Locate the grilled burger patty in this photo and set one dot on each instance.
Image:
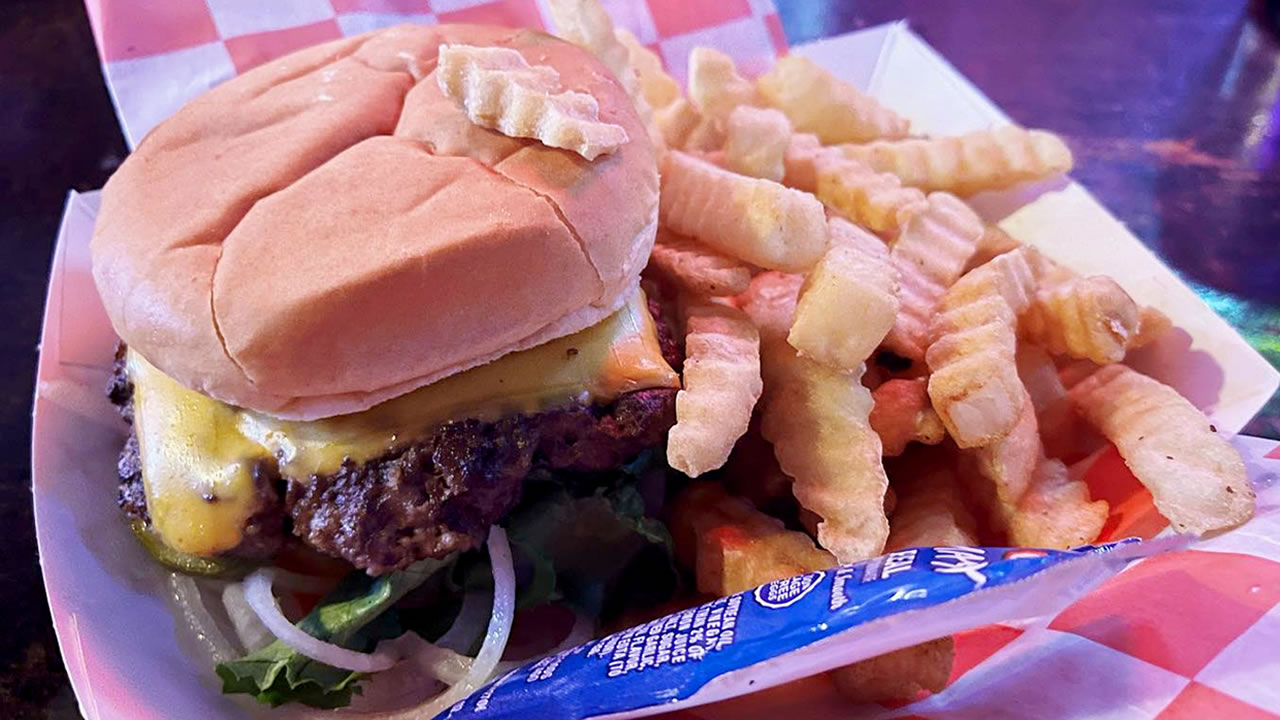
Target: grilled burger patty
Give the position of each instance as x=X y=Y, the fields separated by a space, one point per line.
x=437 y=495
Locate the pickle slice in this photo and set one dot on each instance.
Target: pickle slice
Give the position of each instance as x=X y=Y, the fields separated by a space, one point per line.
x=186 y=563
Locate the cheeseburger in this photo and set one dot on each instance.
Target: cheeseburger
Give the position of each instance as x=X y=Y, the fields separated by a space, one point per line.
x=355 y=324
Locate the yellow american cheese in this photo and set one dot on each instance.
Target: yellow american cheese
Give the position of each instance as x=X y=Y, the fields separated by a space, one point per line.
x=198 y=454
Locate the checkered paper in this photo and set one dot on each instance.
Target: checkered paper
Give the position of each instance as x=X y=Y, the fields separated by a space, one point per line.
x=158 y=54
x=1195 y=634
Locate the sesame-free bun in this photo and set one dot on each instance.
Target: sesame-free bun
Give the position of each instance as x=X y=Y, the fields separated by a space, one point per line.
x=328 y=231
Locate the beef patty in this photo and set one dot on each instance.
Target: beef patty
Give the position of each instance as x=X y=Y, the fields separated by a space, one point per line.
x=436 y=495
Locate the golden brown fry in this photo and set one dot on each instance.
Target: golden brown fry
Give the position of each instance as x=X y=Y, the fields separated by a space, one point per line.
x=930 y=254
x=816 y=419
x=706 y=136
x=993 y=242
x=499 y=90
x=1152 y=324
x=1056 y=512
x=1197 y=479
x=721 y=386
x=970 y=163
x=759 y=221
x=658 y=88
x=931 y=511
x=974 y=385
x=818 y=102
x=587 y=24
x=756 y=141
x=899 y=675
x=800 y=162
x=1061 y=432
x=736 y=547
x=877 y=200
x=715 y=87
x=676 y=122
x=1085 y=317
x=902 y=414
x=696 y=268
x=1004 y=467
x=849 y=299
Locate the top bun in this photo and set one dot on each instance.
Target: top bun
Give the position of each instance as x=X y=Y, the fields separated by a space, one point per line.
x=329 y=231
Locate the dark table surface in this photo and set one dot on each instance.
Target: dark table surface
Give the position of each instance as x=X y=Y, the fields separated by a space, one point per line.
x=1172 y=108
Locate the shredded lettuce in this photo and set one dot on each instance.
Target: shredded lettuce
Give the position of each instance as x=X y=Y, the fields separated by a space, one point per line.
x=277 y=674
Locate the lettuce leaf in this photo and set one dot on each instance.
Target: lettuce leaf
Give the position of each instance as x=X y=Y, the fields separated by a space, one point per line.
x=277 y=674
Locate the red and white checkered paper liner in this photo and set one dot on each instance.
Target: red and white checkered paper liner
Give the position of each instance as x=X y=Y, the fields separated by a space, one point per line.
x=1195 y=634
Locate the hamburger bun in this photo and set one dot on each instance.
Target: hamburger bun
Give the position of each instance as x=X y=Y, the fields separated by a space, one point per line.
x=329 y=231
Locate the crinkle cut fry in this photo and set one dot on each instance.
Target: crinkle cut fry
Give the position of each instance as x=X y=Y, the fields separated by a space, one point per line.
x=818 y=102
x=1197 y=479
x=849 y=299
x=735 y=548
x=931 y=510
x=1030 y=497
x=697 y=268
x=817 y=420
x=756 y=141
x=721 y=385
x=974 y=382
x=1084 y=317
x=499 y=90
x=902 y=414
x=930 y=255
x=756 y=220
x=715 y=87
x=873 y=199
x=970 y=163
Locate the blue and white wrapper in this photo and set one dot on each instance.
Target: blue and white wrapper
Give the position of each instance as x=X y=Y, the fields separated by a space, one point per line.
x=800 y=626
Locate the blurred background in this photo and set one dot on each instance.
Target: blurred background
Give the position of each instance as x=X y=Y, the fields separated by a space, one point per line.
x=1171 y=106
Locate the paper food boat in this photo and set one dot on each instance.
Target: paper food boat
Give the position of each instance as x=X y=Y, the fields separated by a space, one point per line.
x=130 y=655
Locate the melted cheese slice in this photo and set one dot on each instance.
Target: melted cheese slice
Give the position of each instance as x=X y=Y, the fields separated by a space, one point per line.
x=198 y=454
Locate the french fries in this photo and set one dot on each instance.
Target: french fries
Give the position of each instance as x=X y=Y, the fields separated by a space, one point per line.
x=696 y=268
x=898 y=675
x=715 y=87
x=585 y=23
x=970 y=163
x=755 y=220
x=657 y=87
x=756 y=142
x=877 y=200
x=816 y=419
x=499 y=90
x=676 y=122
x=1055 y=511
x=848 y=301
x=1003 y=467
x=974 y=385
x=736 y=548
x=1084 y=317
x=1061 y=431
x=800 y=162
x=733 y=547
x=721 y=386
x=902 y=414
x=818 y=102
x=1197 y=479
x=932 y=511
x=993 y=242
x=930 y=254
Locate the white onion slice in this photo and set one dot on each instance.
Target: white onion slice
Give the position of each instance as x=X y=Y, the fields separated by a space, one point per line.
x=495 y=639
x=186 y=594
x=249 y=629
x=470 y=623
x=257 y=592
